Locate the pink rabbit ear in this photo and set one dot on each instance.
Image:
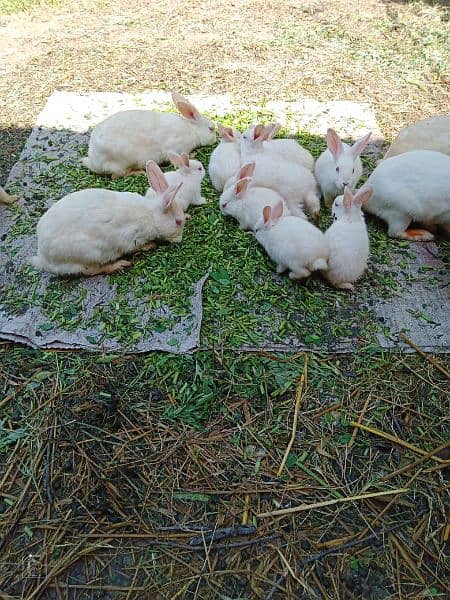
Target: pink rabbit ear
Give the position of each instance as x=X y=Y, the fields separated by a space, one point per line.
x=267 y=212
x=169 y=195
x=185 y=159
x=334 y=143
x=175 y=158
x=156 y=177
x=348 y=197
x=271 y=131
x=241 y=186
x=185 y=108
x=226 y=133
x=247 y=170
x=363 y=195
x=359 y=146
x=277 y=212
x=259 y=132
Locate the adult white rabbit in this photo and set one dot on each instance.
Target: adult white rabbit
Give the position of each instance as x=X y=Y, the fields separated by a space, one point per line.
x=190 y=173
x=259 y=140
x=126 y=140
x=291 y=242
x=86 y=232
x=294 y=183
x=428 y=134
x=413 y=187
x=339 y=166
x=348 y=240
x=226 y=158
x=245 y=202
x=6 y=198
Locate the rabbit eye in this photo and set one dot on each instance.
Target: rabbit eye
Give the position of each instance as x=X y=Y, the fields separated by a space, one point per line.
x=199 y=169
x=353 y=170
x=211 y=127
x=337 y=169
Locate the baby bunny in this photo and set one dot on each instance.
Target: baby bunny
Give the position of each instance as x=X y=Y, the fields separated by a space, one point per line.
x=6 y=198
x=86 y=232
x=339 y=166
x=348 y=240
x=428 y=134
x=293 y=182
x=126 y=140
x=226 y=158
x=292 y=243
x=259 y=140
x=190 y=173
x=412 y=187
x=245 y=203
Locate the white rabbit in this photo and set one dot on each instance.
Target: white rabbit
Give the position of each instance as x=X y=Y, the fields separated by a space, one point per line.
x=428 y=134
x=6 y=198
x=348 y=240
x=292 y=243
x=339 y=166
x=412 y=187
x=226 y=158
x=86 y=232
x=126 y=140
x=245 y=203
x=293 y=182
x=259 y=140
x=190 y=173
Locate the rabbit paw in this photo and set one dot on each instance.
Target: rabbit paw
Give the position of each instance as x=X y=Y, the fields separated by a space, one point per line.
x=416 y=235
x=346 y=286
x=299 y=274
x=119 y=265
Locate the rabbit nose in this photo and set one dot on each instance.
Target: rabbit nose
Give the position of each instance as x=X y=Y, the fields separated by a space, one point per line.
x=345 y=183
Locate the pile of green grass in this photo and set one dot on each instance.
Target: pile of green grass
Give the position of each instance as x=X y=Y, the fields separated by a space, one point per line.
x=245 y=303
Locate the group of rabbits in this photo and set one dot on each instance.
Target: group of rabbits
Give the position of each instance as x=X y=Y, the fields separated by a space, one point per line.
x=268 y=185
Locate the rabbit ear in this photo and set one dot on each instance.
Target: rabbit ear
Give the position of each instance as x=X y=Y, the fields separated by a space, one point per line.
x=348 y=197
x=334 y=143
x=226 y=133
x=241 y=186
x=169 y=195
x=247 y=170
x=185 y=159
x=267 y=212
x=259 y=133
x=156 y=177
x=277 y=212
x=185 y=108
x=359 y=146
x=363 y=195
x=175 y=159
x=272 y=130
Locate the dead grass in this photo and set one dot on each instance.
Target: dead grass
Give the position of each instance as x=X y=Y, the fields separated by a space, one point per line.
x=107 y=489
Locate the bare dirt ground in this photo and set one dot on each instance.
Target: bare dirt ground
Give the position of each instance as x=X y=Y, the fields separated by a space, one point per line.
x=130 y=477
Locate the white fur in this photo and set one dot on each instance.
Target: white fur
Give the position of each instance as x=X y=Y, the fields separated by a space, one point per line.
x=412 y=187
x=245 y=202
x=88 y=229
x=283 y=148
x=6 y=198
x=226 y=158
x=190 y=173
x=347 y=240
x=429 y=134
x=293 y=182
x=292 y=243
x=339 y=166
x=126 y=140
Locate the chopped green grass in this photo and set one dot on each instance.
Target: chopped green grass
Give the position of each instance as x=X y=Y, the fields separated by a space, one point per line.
x=245 y=303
